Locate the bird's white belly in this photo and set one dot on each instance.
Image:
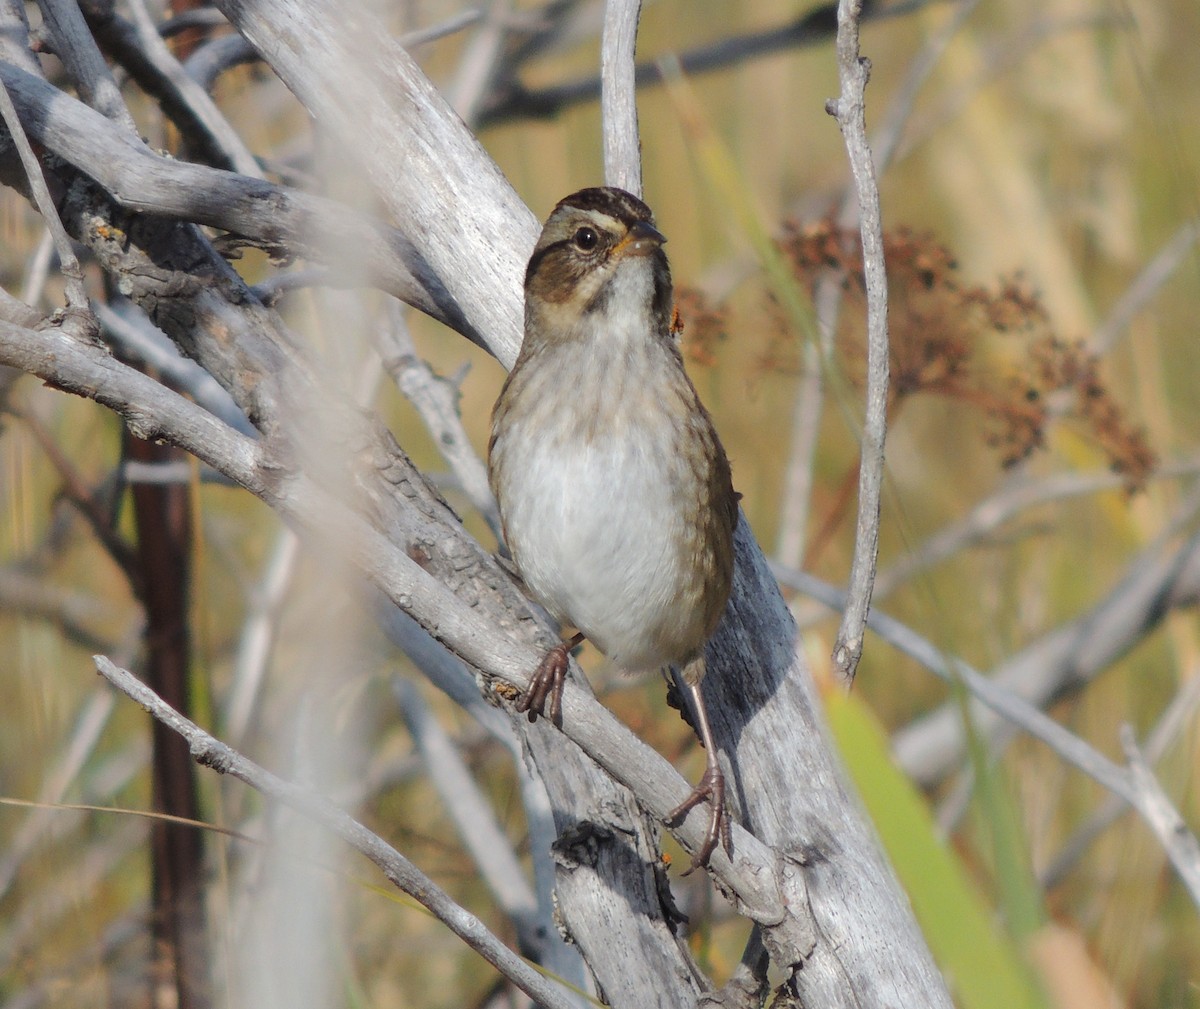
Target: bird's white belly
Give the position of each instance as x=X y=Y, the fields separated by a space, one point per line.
x=597 y=544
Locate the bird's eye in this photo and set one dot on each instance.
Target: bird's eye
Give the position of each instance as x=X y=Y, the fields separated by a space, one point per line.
x=586 y=239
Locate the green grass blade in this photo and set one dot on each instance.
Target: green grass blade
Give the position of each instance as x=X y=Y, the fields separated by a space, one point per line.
x=984 y=966
x=1000 y=820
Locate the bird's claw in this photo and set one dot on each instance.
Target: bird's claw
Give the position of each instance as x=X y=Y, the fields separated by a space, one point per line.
x=547 y=682
x=711 y=787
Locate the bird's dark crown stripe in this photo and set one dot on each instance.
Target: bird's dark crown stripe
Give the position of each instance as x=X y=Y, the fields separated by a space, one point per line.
x=614 y=202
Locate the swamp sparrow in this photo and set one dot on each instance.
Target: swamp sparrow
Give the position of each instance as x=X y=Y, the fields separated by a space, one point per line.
x=614 y=490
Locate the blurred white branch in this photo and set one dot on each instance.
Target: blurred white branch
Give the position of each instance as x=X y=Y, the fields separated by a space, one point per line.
x=259 y=630
x=436 y=400
x=483 y=837
x=1157 y=810
x=224 y=760
x=1145 y=286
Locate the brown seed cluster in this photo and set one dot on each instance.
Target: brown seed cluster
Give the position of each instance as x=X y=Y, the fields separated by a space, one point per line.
x=699 y=324
x=956 y=341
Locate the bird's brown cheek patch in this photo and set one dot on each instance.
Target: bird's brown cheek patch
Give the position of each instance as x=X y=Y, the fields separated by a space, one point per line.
x=557 y=275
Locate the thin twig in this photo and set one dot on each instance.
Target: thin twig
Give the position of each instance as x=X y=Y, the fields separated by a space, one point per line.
x=1002 y=57
x=618 y=96
x=1004 y=702
x=221 y=53
x=216 y=55
x=811 y=28
x=75 y=46
x=89 y=724
x=89 y=501
x=1131 y=785
x=1178 y=715
x=471 y=812
x=211 y=752
x=136 y=338
x=77 y=299
x=886 y=140
x=259 y=630
x=849 y=110
x=200 y=17
x=988 y=516
x=194 y=111
x=452 y=25
x=437 y=401
x=45 y=915
x=479 y=62
x=806 y=428
x=37 y=270
x=76 y=615
x=1158 y=811
x=1147 y=283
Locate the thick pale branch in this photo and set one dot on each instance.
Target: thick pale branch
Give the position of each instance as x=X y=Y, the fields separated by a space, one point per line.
x=618 y=98
x=426 y=167
x=270 y=215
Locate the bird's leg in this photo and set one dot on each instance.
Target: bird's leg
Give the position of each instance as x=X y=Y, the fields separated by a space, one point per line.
x=548 y=681
x=711 y=786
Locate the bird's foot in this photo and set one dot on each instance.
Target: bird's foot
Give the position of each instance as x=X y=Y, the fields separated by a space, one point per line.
x=547 y=683
x=711 y=787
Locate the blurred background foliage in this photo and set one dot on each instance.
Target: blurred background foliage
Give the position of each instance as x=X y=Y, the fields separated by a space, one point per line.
x=1048 y=157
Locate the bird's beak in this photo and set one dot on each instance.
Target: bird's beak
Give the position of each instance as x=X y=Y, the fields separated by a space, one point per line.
x=640 y=240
